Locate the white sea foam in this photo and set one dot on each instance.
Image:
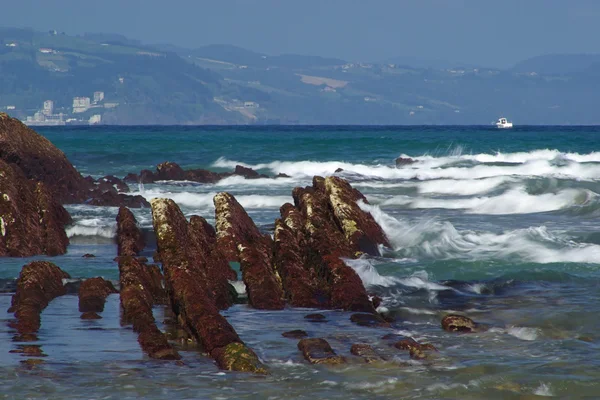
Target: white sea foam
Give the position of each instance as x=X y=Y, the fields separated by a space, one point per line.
x=462 y=188
x=514 y=201
x=205 y=200
x=368 y=273
x=433 y=238
x=543 y=390
x=522 y=333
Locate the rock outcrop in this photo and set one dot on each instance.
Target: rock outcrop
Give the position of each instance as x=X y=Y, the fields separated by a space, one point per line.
x=31 y=221
x=130 y=241
x=241 y=241
x=93 y=293
x=39 y=282
x=137 y=300
x=40 y=161
x=366 y=352
x=459 y=323
x=189 y=293
x=170 y=171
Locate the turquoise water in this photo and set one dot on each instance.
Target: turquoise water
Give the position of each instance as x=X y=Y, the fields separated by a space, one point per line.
x=502 y=226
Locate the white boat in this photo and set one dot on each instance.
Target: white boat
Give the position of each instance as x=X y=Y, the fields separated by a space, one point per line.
x=503 y=123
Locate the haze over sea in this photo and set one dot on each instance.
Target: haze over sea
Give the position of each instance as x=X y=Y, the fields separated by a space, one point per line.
x=500 y=225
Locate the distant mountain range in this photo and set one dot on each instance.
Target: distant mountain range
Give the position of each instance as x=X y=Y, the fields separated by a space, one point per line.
x=224 y=84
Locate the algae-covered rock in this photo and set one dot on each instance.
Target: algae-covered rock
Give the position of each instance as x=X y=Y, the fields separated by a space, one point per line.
x=241 y=241
x=459 y=323
x=130 y=241
x=238 y=357
x=366 y=352
x=93 y=293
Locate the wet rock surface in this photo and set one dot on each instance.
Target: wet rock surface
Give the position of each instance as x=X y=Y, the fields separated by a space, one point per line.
x=295 y=334
x=31 y=222
x=195 y=309
x=417 y=351
x=130 y=241
x=242 y=241
x=137 y=301
x=366 y=352
x=93 y=293
x=318 y=351
x=39 y=282
x=459 y=323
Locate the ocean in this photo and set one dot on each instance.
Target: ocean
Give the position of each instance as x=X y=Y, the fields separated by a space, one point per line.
x=500 y=225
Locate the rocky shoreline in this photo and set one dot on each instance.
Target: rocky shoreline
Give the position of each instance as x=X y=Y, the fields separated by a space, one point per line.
x=300 y=266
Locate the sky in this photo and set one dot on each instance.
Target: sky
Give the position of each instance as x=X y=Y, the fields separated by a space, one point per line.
x=488 y=33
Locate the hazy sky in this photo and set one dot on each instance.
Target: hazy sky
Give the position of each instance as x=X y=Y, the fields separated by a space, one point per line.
x=484 y=32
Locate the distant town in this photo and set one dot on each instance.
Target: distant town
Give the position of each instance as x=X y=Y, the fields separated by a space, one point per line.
x=46 y=116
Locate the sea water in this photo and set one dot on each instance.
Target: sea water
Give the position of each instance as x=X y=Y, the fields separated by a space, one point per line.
x=500 y=225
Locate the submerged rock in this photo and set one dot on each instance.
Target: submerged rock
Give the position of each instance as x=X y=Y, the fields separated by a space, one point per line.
x=93 y=293
x=416 y=350
x=459 y=323
x=39 y=282
x=242 y=241
x=368 y=354
x=318 y=351
x=372 y=320
x=296 y=334
x=402 y=161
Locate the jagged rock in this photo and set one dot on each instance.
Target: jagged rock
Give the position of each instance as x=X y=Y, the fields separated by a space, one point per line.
x=301 y=284
x=367 y=319
x=368 y=354
x=296 y=334
x=131 y=178
x=137 y=301
x=130 y=241
x=169 y=171
x=31 y=222
x=112 y=182
x=282 y=175
x=246 y=172
x=190 y=300
x=115 y=199
x=93 y=293
x=458 y=323
x=39 y=282
x=402 y=161
x=41 y=161
x=90 y=315
x=318 y=351
x=241 y=241
x=359 y=227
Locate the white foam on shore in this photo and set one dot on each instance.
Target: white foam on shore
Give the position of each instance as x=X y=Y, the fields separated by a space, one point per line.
x=205 y=200
x=432 y=238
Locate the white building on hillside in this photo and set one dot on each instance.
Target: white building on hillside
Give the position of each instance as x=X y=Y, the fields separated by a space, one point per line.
x=81 y=104
x=98 y=97
x=48 y=107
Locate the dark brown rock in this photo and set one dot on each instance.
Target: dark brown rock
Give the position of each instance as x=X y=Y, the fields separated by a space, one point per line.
x=90 y=315
x=368 y=319
x=458 y=323
x=402 y=161
x=40 y=161
x=315 y=317
x=241 y=240
x=130 y=241
x=93 y=293
x=359 y=227
x=368 y=354
x=39 y=282
x=169 y=171
x=137 y=301
x=318 y=351
x=88 y=255
x=246 y=172
x=195 y=309
x=31 y=222
x=302 y=286
x=112 y=182
x=296 y=334
x=416 y=350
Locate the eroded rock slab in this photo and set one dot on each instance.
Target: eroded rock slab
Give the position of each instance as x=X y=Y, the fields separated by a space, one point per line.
x=31 y=221
x=39 y=282
x=130 y=241
x=190 y=299
x=137 y=300
x=459 y=323
x=241 y=241
x=93 y=293
x=366 y=352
